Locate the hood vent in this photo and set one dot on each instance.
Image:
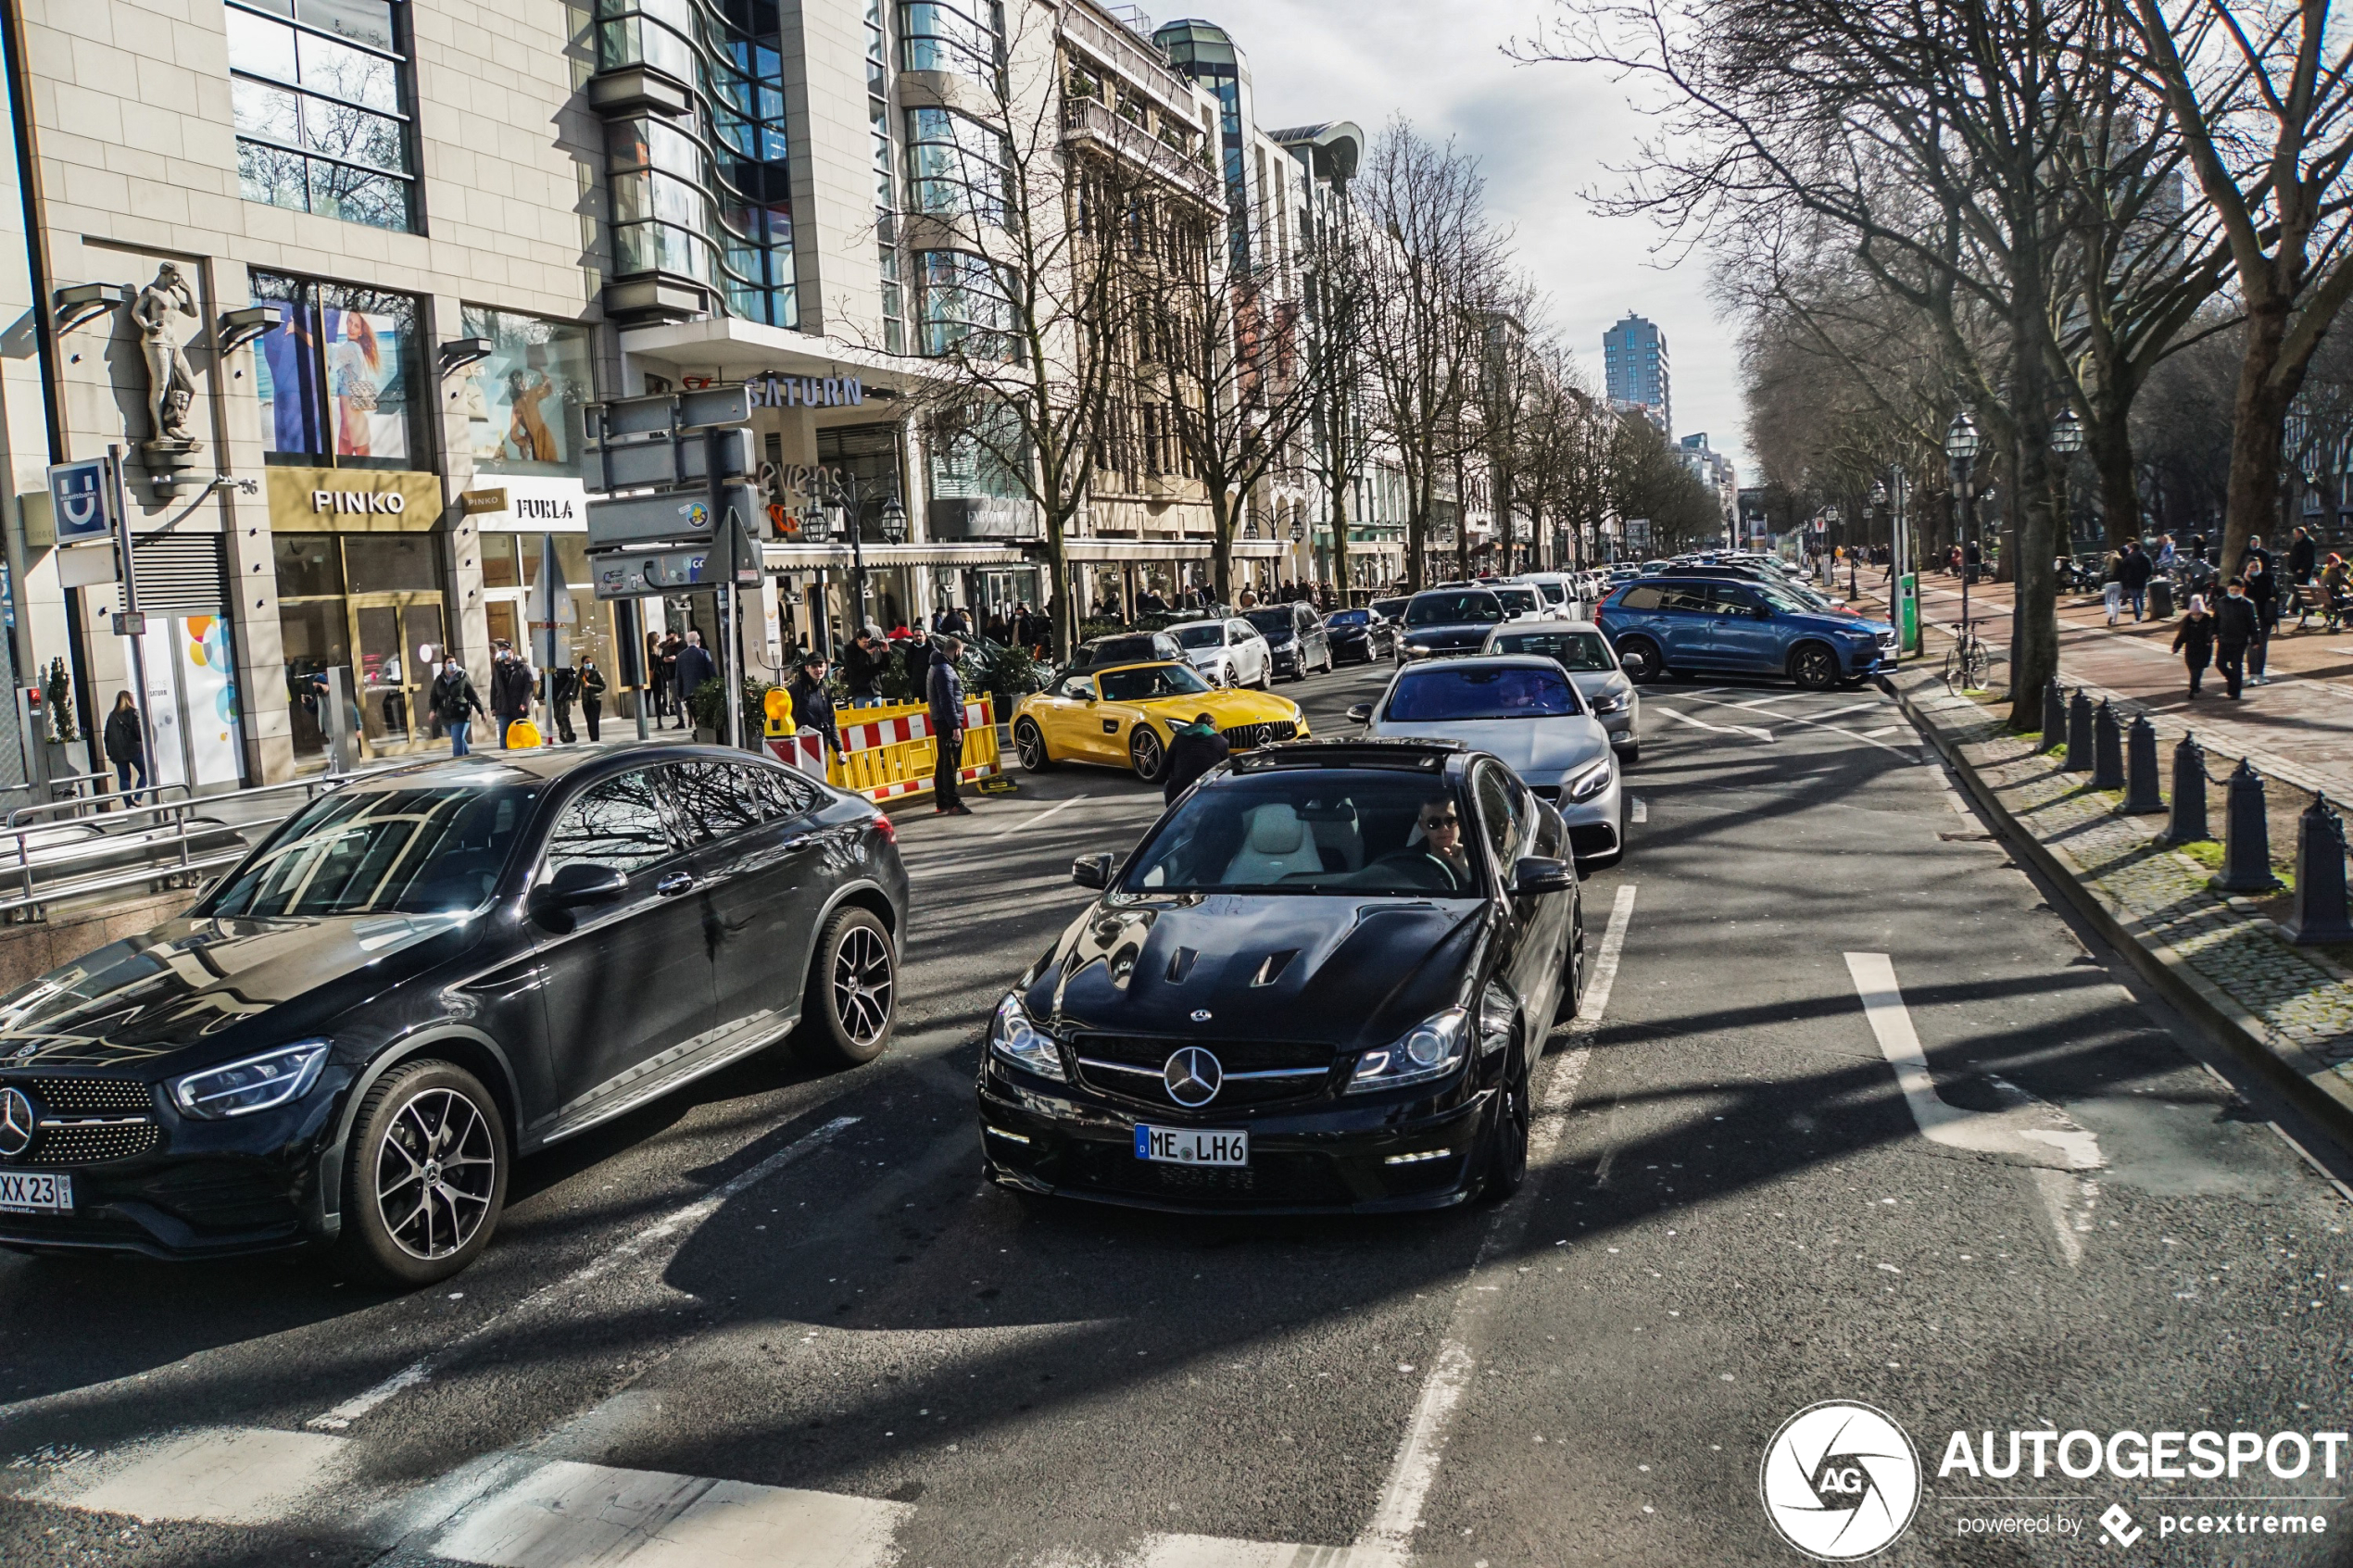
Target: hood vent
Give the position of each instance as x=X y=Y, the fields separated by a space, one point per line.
x=1180 y=964
x=1271 y=970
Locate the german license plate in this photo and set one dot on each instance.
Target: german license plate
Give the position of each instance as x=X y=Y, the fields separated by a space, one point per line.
x=35 y=1192
x=1192 y=1146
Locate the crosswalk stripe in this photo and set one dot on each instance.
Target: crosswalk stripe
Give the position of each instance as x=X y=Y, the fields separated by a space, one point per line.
x=219 y=1475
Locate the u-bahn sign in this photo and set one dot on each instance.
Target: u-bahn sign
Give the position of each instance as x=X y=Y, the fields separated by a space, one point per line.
x=83 y=500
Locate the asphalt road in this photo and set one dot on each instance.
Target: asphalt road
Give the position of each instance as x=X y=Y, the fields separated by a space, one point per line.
x=778 y=1320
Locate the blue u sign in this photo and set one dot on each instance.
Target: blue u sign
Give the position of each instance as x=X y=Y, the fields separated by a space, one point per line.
x=79 y=491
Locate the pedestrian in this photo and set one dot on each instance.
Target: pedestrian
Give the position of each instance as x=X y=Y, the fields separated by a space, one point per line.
x=2337 y=588
x=658 y=685
x=1972 y=560
x=2193 y=640
x=592 y=695
x=511 y=686
x=2112 y=589
x=2165 y=558
x=2134 y=572
x=2263 y=596
x=813 y=705
x=454 y=702
x=126 y=746
x=563 y=690
x=945 y=690
x=1193 y=750
x=861 y=666
x=694 y=666
x=2233 y=630
x=2303 y=557
x=665 y=668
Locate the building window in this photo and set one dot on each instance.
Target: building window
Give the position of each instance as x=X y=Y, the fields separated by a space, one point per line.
x=342 y=376
x=322 y=102
x=894 y=302
x=965 y=38
x=965 y=309
x=524 y=403
x=957 y=166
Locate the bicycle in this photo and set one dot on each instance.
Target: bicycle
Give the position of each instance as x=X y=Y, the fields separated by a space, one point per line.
x=1970 y=662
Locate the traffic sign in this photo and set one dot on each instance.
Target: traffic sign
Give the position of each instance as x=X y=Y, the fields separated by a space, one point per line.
x=84 y=501
x=669 y=411
x=130 y=623
x=664 y=460
x=680 y=516
x=630 y=576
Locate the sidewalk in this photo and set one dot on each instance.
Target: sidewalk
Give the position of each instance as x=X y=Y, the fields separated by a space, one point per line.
x=2222 y=961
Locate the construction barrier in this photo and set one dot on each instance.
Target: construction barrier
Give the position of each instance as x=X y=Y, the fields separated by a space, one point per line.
x=888 y=753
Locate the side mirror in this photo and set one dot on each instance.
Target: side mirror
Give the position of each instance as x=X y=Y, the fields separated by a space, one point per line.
x=1360 y=713
x=575 y=887
x=1091 y=870
x=1537 y=875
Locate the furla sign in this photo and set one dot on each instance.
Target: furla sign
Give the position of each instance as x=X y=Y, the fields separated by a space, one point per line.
x=538 y=504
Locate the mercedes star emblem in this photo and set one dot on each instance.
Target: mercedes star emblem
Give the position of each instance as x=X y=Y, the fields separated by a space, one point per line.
x=1201 y=1015
x=1192 y=1076
x=15 y=1115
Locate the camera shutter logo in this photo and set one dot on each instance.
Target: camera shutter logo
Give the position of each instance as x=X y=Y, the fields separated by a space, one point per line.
x=1840 y=1481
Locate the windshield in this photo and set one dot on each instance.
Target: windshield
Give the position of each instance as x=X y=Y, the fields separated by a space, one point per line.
x=1787 y=600
x=1518 y=600
x=1476 y=608
x=1553 y=592
x=1276 y=623
x=385 y=851
x=1211 y=635
x=1347 y=617
x=1118 y=650
x=1389 y=608
x=1312 y=832
x=1143 y=683
x=1584 y=652
x=1442 y=695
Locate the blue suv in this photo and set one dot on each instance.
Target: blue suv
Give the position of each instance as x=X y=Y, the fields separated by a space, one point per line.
x=1670 y=625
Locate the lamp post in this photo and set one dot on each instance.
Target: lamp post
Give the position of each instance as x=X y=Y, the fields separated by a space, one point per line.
x=2066 y=439
x=1960 y=446
x=849 y=498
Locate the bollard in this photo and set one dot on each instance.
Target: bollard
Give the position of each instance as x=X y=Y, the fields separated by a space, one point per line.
x=2079 y=733
x=2320 y=877
x=2054 y=715
x=2141 y=797
x=2188 y=823
x=2108 y=749
x=2247 y=837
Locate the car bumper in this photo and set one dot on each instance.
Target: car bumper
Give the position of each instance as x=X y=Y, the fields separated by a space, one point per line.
x=1283 y=658
x=1326 y=1159
x=1593 y=825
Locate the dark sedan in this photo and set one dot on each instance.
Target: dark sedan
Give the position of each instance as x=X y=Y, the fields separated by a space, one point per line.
x=1317 y=984
x=1360 y=635
x=425 y=973
x=1449 y=621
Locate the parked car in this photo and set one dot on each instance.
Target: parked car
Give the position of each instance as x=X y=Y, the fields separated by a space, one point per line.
x=1227 y=651
x=1448 y=620
x=1318 y=984
x=1524 y=709
x=1579 y=648
x=1684 y=625
x=421 y=976
x=1559 y=589
x=1521 y=601
x=1123 y=647
x=1360 y=635
x=1124 y=717
x=1393 y=609
x=1295 y=635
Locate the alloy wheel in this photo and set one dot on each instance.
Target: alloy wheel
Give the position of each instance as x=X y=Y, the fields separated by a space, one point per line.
x=1032 y=746
x=1815 y=669
x=862 y=984
x=436 y=1171
x=1145 y=753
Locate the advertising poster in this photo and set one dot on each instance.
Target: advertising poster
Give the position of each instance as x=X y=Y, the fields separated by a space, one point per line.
x=365 y=384
x=524 y=403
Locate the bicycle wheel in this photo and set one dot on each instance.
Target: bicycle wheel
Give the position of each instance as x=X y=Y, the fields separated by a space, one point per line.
x=1955 y=672
x=1977 y=664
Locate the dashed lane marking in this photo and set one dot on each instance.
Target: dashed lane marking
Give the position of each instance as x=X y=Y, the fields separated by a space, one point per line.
x=1640 y=809
x=218 y=1476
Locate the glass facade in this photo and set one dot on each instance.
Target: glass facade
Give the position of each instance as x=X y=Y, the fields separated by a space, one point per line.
x=322 y=102
x=964 y=309
x=957 y=166
x=960 y=37
x=524 y=403
x=886 y=180
x=341 y=377
x=710 y=200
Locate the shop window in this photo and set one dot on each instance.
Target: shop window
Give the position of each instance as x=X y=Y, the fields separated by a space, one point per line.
x=322 y=94
x=499 y=570
x=524 y=403
x=392 y=563
x=342 y=376
x=309 y=565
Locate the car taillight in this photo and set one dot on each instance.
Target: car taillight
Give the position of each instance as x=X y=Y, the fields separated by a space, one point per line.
x=885 y=826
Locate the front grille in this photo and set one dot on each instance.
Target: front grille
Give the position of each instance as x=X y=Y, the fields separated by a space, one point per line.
x=88 y=1096
x=1242 y=736
x=1129 y=1067
x=1546 y=792
x=86 y=1121
x=91 y=1143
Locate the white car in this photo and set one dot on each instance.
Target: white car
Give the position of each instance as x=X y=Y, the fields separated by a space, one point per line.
x=1559 y=588
x=1522 y=601
x=1524 y=709
x=1227 y=653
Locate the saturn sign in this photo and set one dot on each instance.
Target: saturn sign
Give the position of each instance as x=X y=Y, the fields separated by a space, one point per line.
x=81 y=497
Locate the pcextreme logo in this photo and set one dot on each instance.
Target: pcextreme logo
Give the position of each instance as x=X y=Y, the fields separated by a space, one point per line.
x=1840 y=1481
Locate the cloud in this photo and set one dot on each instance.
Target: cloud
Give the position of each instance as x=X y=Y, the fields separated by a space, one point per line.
x=1545 y=136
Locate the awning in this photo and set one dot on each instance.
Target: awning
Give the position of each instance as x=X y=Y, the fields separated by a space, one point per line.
x=1122 y=552
x=883 y=558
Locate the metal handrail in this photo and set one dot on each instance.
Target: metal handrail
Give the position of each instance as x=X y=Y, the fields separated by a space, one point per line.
x=93 y=804
x=178 y=816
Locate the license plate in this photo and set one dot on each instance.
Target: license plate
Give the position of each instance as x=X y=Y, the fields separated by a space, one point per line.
x=35 y=1192
x=1192 y=1146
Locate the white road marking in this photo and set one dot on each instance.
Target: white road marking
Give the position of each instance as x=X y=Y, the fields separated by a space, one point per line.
x=222 y=1476
x=1718 y=729
x=1036 y=818
x=1841 y=712
x=2026 y=1132
x=1605 y=971
x=1908 y=753
x=1766 y=701
x=1212 y=1551
x=1886 y=730
x=421 y=1369
x=1641 y=809
x=565 y=1513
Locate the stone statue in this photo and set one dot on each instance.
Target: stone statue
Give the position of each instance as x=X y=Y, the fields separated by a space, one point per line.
x=171 y=389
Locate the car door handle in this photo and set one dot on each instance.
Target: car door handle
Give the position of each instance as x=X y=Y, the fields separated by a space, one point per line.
x=675 y=884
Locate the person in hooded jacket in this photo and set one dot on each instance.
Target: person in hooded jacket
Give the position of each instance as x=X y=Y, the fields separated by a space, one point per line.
x=454 y=702
x=1193 y=750
x=2193 y=640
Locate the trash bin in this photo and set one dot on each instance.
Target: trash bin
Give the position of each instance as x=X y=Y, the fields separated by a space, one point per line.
x=2161 y=597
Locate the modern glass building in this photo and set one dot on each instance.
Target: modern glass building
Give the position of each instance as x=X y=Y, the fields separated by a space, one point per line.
x=1634 y=364
x=1202 y=50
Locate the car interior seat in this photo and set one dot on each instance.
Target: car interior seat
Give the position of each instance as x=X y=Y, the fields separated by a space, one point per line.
x=1277 y=844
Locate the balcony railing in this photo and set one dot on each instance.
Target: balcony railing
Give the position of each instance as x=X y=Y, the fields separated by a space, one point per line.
x=1122 y=51
x=1086 y=119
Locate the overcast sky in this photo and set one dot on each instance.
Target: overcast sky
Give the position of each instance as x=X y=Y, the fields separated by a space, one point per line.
x=1543 y=135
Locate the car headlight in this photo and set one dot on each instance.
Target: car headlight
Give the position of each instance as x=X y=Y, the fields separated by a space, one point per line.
x=1014 y=1037
x=1614 y=703
x=1429 y=1049
x=258 y=1083
x=1589 y=782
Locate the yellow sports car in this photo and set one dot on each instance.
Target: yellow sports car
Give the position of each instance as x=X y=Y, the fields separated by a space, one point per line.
x=1123 y=716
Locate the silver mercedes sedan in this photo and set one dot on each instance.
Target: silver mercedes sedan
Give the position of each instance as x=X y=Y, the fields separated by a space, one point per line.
x=1579 y=648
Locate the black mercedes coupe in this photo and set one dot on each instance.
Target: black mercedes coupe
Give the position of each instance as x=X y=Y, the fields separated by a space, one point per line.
x=421 y=975
x=1317 y=984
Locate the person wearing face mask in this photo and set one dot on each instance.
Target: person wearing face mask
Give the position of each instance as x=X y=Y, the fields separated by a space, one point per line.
x=2193 y=640
x=2234 y=628
x=2262 y=596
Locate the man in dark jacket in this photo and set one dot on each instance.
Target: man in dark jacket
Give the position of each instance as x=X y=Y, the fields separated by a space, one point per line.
x=2233 y=629
x=592 y=695
x=813 y=705
x=861 y=668
x=2134 y=572
x=455 y=703
x=1193 y=750
x=2303 y=557
x=511 y=684
x=945 y=690
x=695 y=667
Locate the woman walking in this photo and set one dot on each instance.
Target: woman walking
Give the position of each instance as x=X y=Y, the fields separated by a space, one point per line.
x=2262 y=593
x=127 y=746
x=592 y=695
x=2193 y=640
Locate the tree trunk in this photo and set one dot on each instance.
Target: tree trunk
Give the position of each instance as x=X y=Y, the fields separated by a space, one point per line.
x=2035 y=621
x=2109 y=445
x=2259 y=423
x=1221 y=521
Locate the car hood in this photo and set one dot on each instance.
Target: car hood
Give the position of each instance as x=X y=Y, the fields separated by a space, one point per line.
x=1228 y=707
x=1538 y=750
x=1832 y=621
x=1595 y=685
x=1350 y=972
x=215 y=983
x=1466 y=636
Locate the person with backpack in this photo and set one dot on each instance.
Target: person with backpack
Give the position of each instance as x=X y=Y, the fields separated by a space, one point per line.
x=454 y=702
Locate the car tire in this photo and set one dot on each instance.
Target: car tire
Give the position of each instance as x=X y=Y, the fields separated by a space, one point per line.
x=1029 y=740
x=1573 y=982
x=1645 y=654
x=851 y=999
x=431 y=1128
x=1146 y=755
x=1327 y=659
x=1508 y=1134
x=1814 y=666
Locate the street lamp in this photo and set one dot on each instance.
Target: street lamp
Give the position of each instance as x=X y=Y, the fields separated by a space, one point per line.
x=1960 y=445
x=848 y=494
x=894 y=522
x=2066 y=439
